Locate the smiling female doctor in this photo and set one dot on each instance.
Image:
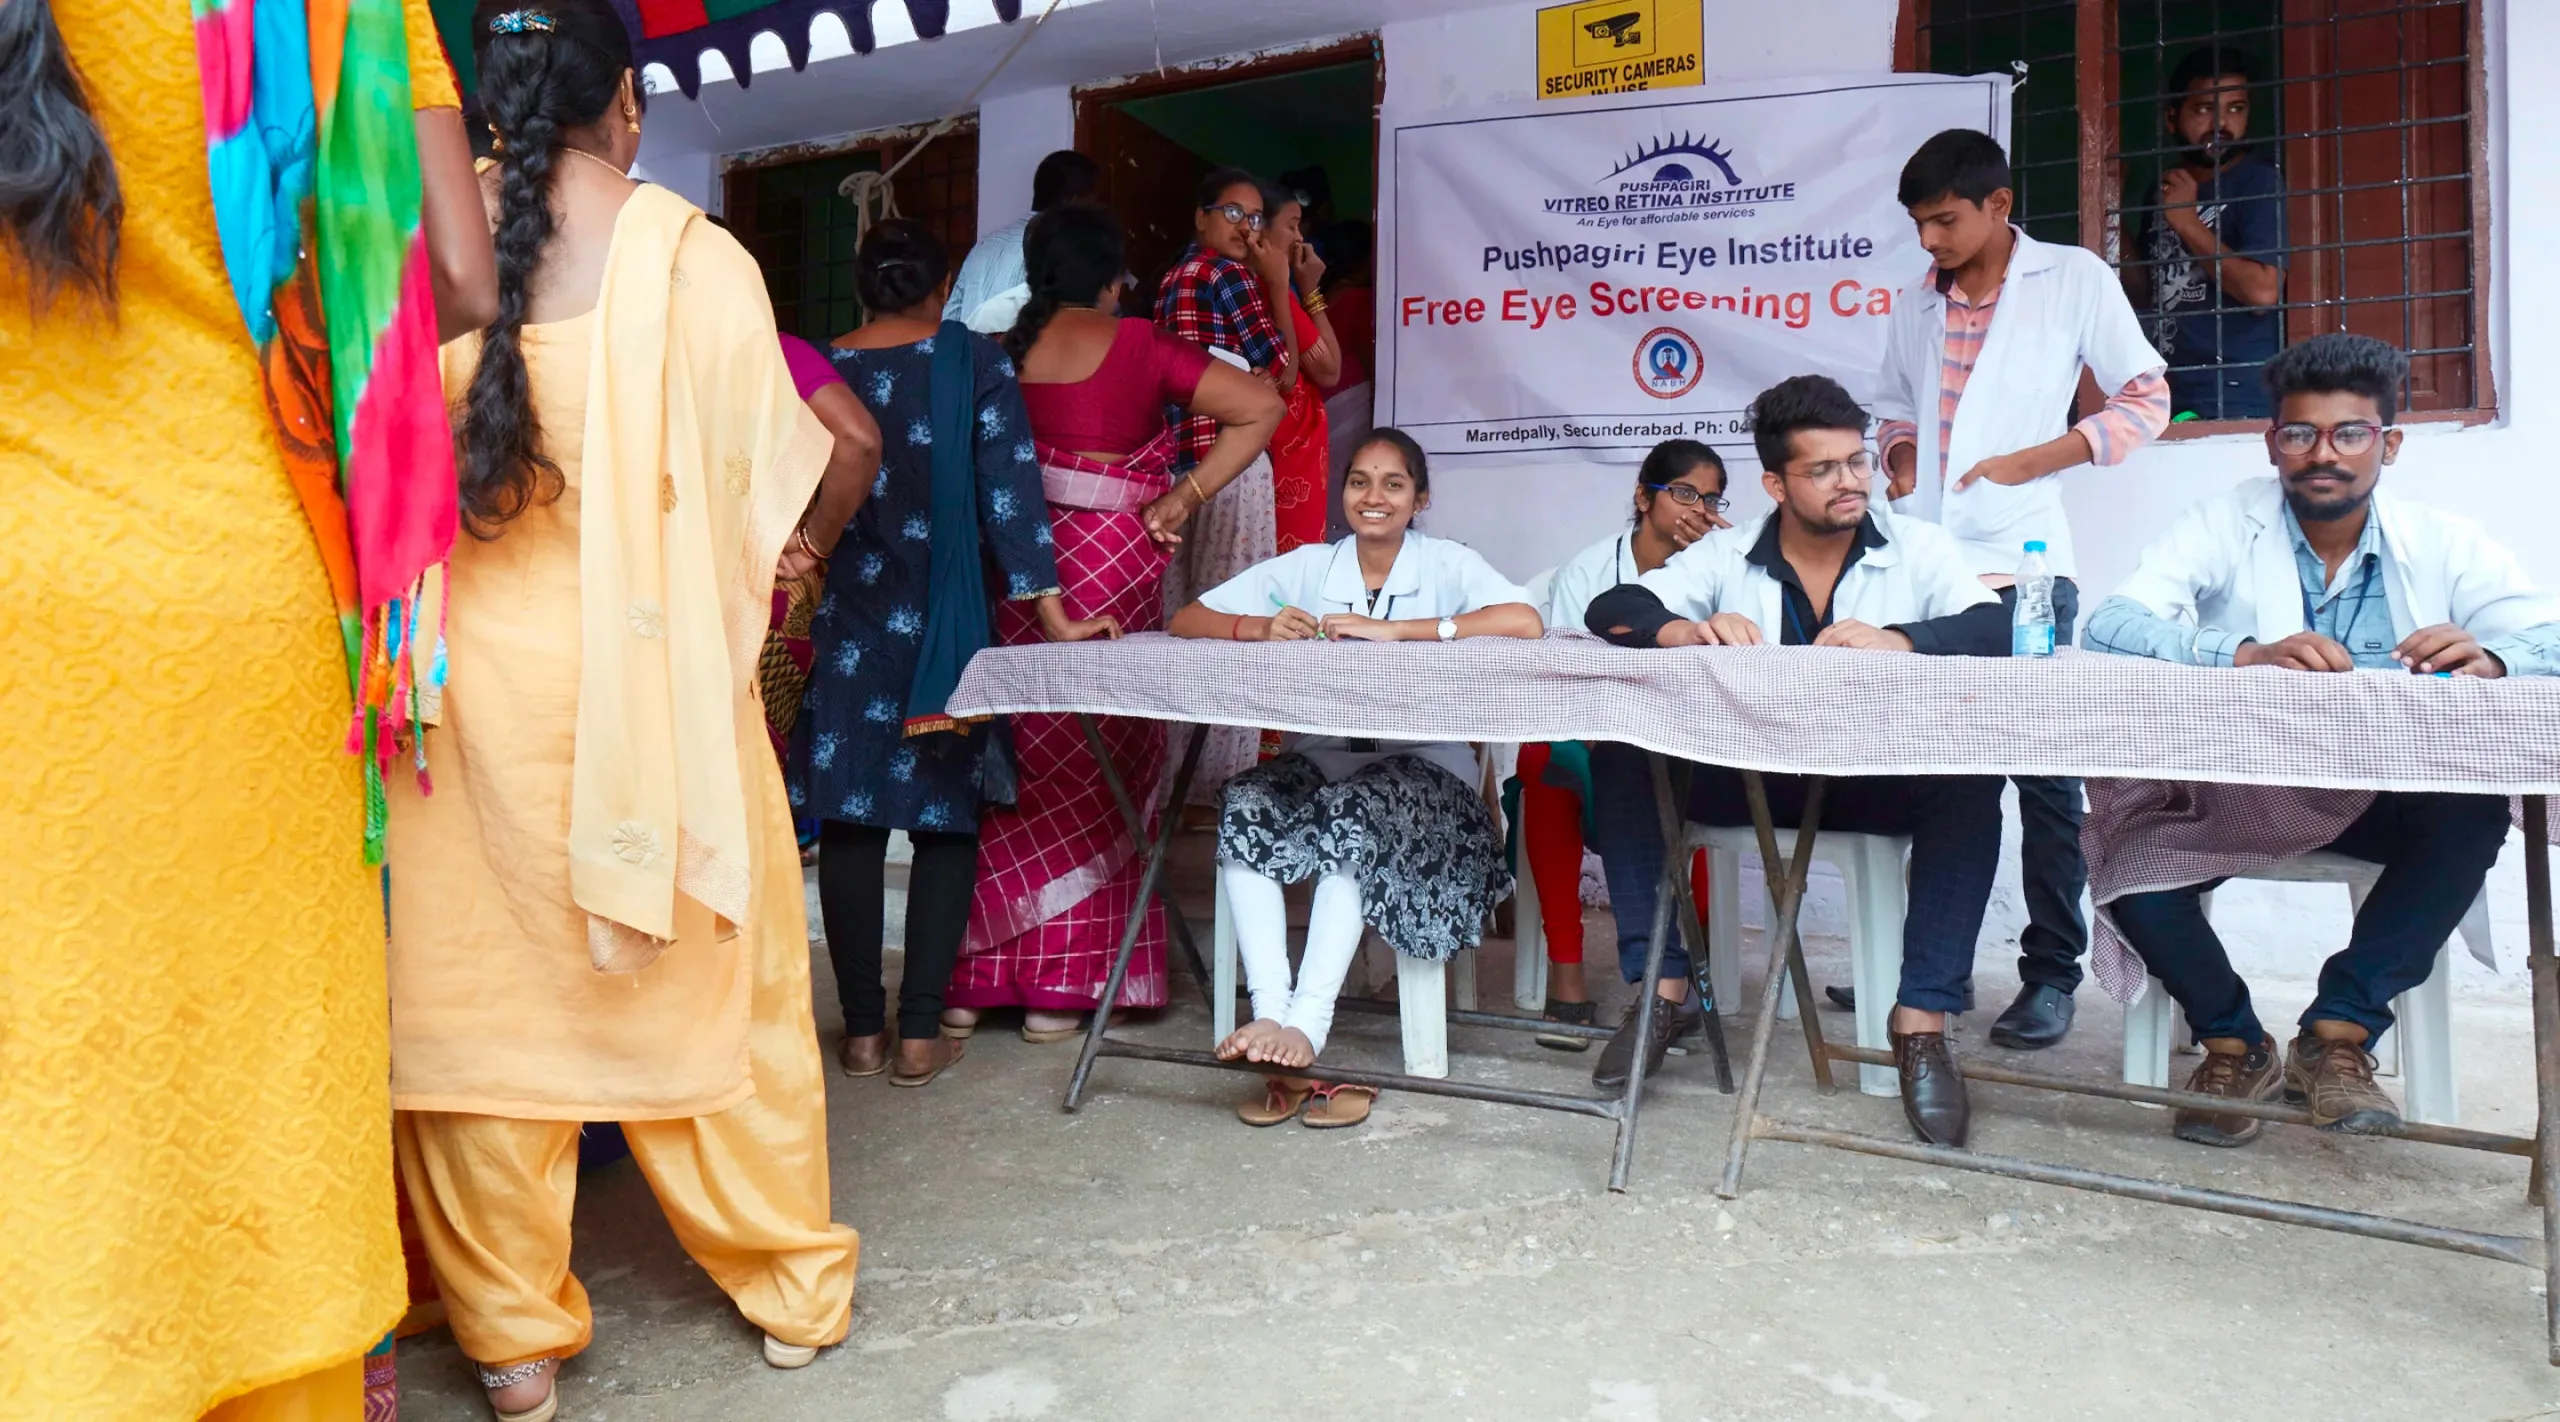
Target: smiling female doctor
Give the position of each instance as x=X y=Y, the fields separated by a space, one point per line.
x=1393 y=832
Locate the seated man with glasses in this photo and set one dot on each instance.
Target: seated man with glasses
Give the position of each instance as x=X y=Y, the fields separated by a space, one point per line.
x=1826 y=569
x=2316 y=570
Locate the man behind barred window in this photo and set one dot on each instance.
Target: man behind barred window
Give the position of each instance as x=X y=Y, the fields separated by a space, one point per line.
x=2214 y=253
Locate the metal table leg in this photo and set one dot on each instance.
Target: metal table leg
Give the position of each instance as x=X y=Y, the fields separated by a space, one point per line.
x=1136 y=819
x=2546 y=1056
x=1786 y=885
x=1147 y=885
x=1648 y=1000
x=1670 y=801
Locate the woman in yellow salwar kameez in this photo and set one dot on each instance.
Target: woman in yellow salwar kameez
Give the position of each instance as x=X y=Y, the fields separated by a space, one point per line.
x=196 y=1198
x=597 y=916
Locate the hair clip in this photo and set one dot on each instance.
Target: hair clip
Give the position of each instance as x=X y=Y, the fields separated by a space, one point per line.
x=517 y=22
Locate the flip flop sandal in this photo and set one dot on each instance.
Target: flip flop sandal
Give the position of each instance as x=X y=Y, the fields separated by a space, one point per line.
x=958 y=1050
x=959 y=1022
x=1579 y=1014
x=1282 y=1097
x=1044 y=1036
x=1339 y=1104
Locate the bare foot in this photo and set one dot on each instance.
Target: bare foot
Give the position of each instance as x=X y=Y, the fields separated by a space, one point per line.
x=1246 y=1040
x=528 y=1394
x=1289 y=1048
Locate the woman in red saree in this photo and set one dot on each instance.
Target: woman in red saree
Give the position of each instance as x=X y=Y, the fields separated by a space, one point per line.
x=1058 y=870
x=1302 y=448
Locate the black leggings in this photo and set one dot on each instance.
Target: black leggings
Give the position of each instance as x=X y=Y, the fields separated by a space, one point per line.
x=853 y=899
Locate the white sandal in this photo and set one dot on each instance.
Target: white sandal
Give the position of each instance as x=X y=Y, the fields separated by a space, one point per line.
x=787 y=1356
x=492 y=1379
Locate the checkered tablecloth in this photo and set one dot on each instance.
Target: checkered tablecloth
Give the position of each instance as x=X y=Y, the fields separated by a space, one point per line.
x=1821 y=710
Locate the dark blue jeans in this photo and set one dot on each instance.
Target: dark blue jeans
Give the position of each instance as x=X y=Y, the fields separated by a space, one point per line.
x=1953 y=822
x=2049 y=864
x=2218 y=394
x=2434 y=851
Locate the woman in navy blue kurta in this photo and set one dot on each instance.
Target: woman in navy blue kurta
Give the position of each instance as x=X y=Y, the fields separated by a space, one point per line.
x=852 y=763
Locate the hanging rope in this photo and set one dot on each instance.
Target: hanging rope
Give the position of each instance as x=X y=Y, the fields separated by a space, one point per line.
x=870 y=193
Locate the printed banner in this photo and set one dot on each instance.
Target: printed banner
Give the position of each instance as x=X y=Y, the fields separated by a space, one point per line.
x=1581 y=281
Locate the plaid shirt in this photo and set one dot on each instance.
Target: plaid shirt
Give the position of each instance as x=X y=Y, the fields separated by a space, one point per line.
x=1213 y=302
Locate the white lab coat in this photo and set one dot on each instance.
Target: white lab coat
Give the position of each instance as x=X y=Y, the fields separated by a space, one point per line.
x=1432 y=577
x=2227 y=565
x=1919 y=573
x=1586 y=575
x=2060 y=308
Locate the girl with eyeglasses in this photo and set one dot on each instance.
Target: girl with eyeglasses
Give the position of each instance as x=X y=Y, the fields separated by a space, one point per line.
x=1679 y=498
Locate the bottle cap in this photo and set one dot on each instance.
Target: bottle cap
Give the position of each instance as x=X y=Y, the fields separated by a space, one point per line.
x=2035 y=545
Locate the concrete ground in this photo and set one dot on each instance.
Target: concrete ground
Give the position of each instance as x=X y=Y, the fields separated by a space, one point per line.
x=1153 y=1258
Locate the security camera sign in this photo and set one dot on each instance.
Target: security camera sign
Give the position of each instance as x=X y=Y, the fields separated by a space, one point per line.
x=1618 y=47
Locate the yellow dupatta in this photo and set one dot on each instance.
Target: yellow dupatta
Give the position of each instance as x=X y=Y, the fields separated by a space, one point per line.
x=699 y=460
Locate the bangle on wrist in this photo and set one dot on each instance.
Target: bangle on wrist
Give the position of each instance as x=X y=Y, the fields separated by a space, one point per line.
x=1236 y=633
x=800 y=536
x=1314 y=303
x=1196 y=491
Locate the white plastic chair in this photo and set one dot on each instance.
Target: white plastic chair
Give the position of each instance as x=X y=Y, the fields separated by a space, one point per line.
x=1870 y=868
x=2420 y=1046
x=1422 y=993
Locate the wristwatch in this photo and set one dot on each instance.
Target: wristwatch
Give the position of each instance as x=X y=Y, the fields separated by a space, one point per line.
x=1448 y=629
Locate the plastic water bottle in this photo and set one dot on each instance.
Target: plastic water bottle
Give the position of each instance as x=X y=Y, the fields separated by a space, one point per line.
x=2031 y=626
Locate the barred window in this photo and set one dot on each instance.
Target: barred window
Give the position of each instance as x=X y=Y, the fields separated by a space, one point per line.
x=2260 y=171
x=784 y=208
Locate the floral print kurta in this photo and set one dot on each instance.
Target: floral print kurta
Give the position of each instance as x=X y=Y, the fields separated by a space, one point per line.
x=850 y=758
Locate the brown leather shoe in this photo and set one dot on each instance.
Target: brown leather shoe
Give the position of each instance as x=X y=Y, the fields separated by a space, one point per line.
x=1933 y=1096
x=2254 y=1075
x=1671 y=1022
x=920 y=1060
x=864 y=1056
x=2335 y=1080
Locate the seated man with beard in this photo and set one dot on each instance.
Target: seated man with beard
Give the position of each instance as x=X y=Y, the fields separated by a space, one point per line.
x=2315 y=570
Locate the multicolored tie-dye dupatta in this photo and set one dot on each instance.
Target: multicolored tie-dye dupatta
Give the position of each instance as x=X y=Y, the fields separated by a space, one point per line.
x=316 y=195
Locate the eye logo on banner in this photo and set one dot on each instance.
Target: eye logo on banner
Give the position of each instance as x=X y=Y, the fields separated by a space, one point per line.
x=1668 y=363
x=1676 y=176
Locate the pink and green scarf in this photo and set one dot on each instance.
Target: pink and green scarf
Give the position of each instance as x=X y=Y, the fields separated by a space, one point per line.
x=316 y=195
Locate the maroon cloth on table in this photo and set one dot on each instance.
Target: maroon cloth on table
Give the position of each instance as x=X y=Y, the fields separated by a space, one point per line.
x=1121 y=406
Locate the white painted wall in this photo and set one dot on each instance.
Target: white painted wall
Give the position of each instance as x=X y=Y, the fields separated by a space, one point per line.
x=1015 y=132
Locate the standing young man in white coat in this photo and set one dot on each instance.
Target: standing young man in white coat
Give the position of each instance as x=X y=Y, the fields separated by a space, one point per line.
x=2314 y=570
x=1981 y=363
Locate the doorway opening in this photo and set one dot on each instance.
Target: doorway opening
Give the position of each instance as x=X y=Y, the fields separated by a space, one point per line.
x=1306 y=121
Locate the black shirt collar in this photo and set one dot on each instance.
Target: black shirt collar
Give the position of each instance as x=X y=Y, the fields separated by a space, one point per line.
x=1764 y=552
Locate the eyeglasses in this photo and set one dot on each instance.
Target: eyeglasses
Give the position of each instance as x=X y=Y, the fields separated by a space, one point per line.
x=1857 y=469
x=1692 y=496
x=2350 y=439
x=1238 y=213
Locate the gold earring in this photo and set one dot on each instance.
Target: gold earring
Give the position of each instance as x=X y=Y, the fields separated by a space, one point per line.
x=631 y=118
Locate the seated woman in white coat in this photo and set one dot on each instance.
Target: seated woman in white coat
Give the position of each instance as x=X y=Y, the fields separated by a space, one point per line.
x=1393 y=832
x=1568 y=785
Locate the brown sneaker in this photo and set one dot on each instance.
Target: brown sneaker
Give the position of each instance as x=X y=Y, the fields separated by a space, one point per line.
x=2254 y=1075
x=2335 y=1080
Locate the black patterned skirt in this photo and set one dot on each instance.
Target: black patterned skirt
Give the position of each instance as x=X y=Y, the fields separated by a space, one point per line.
x=1425 y=850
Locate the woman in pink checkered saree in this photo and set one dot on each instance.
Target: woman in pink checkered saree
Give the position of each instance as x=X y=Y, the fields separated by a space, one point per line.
x=1058 y=870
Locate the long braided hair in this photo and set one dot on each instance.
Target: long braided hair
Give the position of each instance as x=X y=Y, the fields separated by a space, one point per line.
x=61 y=204
x=546 y=67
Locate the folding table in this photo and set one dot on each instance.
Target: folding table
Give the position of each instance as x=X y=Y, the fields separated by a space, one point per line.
x=1824 y=712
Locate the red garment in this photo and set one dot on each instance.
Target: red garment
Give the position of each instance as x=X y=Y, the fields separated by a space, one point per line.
x=1058 y=871
x=1551 y=830
x=1121 y=406
x=1301 y=453
x=1354 y=310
